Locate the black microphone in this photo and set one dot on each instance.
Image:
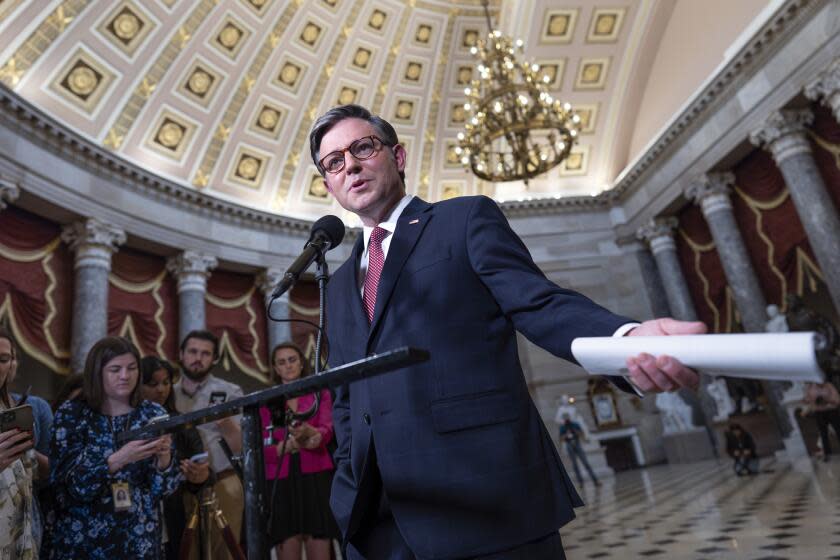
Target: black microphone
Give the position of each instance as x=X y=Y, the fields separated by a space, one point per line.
x=326 y=233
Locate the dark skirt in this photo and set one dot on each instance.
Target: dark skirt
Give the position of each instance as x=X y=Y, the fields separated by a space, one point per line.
x=301 y=505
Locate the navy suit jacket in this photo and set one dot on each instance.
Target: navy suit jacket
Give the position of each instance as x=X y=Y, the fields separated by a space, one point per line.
x=467 y=464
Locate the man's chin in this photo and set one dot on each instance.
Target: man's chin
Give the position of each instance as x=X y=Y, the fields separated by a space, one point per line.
x=195 y=375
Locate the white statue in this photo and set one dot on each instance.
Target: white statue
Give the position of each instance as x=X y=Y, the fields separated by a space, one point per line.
x=778 y=323
x=725 y=405
x=675 y=412
x=567 y=407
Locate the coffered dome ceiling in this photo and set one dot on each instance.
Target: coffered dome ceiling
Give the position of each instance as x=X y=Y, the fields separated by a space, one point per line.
x=220 y=94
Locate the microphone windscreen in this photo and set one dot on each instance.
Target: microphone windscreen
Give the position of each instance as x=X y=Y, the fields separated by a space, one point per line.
x=330 y=227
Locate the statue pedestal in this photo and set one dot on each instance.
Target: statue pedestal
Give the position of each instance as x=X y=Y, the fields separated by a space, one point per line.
x=690 y=446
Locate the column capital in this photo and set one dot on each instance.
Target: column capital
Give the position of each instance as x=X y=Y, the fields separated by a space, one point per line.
x=9 y=192
x=93 y=242
x=659 y=233
x=268 y=279
x=191 y=268
x=826 y=88
x=784 y=133
x=711 y=191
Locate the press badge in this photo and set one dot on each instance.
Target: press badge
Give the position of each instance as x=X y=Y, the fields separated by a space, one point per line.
x=121 y=492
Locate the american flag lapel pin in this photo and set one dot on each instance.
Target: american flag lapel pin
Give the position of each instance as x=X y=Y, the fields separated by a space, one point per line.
x=414 y=221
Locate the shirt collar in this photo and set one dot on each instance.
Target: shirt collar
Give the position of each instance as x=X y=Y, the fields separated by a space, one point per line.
x=390 y=223
x=198 y=386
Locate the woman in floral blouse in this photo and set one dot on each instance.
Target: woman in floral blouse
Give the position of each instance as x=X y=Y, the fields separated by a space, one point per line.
x=16 y=471
x=107 y=496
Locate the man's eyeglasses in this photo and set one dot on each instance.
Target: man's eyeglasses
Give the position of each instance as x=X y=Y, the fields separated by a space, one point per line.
x=363 y=148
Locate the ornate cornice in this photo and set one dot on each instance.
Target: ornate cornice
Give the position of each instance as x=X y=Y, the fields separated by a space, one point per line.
x=9 y=192
x=191 y=269
x=93 y=242
x=711 y=191
x=784 y=133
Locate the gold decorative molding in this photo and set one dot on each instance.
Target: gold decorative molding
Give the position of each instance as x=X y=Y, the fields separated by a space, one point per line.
x=214 y=148
x=434 y=111
x=137 y=101
x=40 y=40
x=316 y=98
x=83 y=81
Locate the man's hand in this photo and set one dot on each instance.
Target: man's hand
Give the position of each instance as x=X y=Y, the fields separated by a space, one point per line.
x=663 y=373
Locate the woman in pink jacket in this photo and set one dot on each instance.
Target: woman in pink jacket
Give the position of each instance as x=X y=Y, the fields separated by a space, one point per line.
x=299 y=482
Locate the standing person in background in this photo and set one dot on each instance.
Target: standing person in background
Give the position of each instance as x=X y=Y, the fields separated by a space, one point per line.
x=823 y=401
x=299 y=481
x=107 y=495
x=196 y=389
x=157 y=377
x=17 y=516
x=571 y=433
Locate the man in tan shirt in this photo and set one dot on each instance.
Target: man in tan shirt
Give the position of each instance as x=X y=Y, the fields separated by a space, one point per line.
x=197 y=389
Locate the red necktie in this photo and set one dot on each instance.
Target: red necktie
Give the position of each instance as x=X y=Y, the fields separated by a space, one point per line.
x=376 y=260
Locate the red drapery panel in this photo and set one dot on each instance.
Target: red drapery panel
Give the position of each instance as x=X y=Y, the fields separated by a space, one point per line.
x=236 y=314
x=36 y=286
x=704 y=273
x=143 y=303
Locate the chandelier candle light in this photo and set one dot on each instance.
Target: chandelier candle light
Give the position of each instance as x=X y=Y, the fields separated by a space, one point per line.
x=515 y=129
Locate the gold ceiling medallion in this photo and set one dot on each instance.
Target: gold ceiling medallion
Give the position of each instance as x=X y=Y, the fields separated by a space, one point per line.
x=588 y=114
x=413 y=72
x=404 y=111
x=559 y=26
x=83 y=81
x=230 y=37
x=555 y=70
x=362 y=59
x=576 y=163
x=423 y=35
x=171 y=136
x=451 y=189
x=515 y=129
x=126 y=27
x=377 y=20
x=592 y=73
x=201 y=83
x=268 y=120
x=457 y=115
x=347 y=95
x=290 y=75
x=463 y=76
x=317 y=189
x=311 y=35
x=605 y=25
x=248 y=168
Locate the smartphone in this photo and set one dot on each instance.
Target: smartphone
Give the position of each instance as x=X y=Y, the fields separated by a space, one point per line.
x=199 y=458
x=19 y=417
x=160 y=418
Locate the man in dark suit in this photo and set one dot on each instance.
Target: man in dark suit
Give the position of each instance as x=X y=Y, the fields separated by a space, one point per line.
x=448 y=459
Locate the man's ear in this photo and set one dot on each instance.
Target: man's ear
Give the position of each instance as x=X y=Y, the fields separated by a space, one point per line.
x=400 y=156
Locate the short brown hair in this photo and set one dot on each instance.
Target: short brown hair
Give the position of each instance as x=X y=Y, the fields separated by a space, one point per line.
x=202 y=335
x=104 y=351
x=306 y=366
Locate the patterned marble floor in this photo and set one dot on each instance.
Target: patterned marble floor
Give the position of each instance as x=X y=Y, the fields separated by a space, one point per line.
x=704 y=512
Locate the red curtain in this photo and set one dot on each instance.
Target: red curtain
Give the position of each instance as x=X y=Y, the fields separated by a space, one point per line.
x=36 y=286
x=143 y=303
x=236 y=314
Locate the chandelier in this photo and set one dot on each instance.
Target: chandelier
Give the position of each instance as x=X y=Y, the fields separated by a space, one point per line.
x=515 y=129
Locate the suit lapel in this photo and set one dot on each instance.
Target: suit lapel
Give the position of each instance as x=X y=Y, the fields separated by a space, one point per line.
x=409 y=227
x=352 y=293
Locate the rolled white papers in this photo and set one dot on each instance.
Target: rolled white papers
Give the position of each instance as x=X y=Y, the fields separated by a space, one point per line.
x=771 y=356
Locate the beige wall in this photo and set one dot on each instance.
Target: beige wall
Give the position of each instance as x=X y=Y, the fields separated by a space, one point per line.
x=696 y=37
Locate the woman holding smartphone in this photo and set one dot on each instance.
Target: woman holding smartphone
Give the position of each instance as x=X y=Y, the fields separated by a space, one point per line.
x=299 y=480
x=16 y=470
x=157 y=378
x=107 y=494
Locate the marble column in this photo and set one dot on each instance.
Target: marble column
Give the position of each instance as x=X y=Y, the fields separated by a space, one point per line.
x=9 y=192
x=784 y=134
x=278 y=331
x=93 y=243
x=659 y=234
x=711 y=192
x=826 y=87
x=654 y=288
x=191 y=269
